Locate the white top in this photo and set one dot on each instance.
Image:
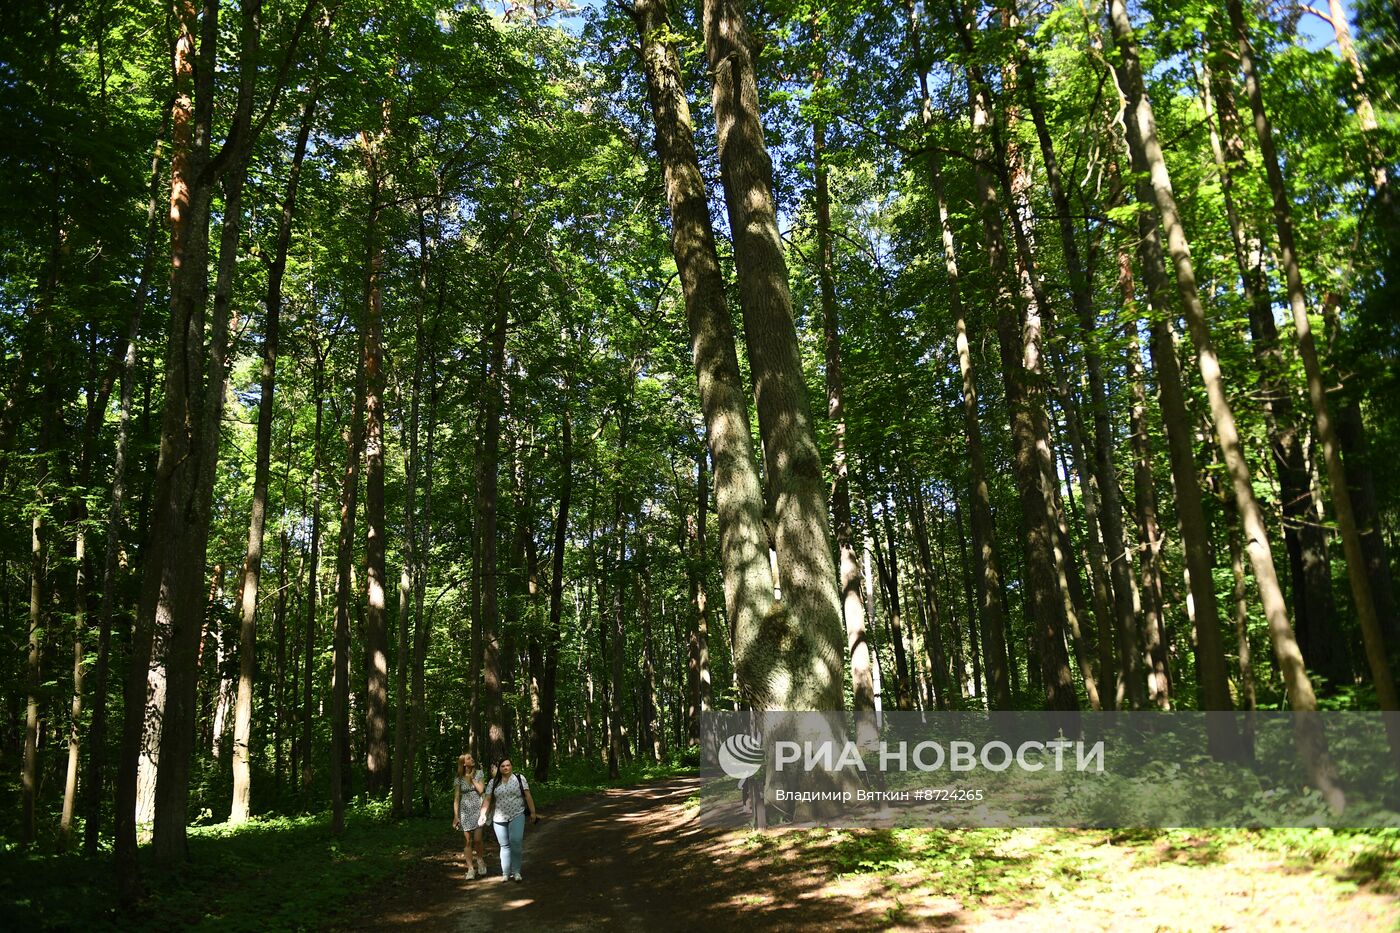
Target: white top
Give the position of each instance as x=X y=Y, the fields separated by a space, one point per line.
x=509 y=796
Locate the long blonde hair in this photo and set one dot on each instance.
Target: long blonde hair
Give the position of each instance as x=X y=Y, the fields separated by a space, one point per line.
x=462 y=763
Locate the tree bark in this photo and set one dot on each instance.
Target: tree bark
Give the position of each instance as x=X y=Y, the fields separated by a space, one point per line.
x=376 y=656
x=798 y=655
x=748 y=580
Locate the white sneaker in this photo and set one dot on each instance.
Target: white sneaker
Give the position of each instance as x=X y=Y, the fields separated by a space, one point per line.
x=516 y=877
x=471 y=874
x=481 y=867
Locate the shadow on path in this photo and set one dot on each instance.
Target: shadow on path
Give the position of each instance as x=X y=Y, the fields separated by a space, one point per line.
x=631 y=859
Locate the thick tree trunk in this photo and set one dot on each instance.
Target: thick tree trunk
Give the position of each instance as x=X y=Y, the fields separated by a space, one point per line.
x=748 y=580
x=799 y=654
x=144 y=688
x=1148 y=159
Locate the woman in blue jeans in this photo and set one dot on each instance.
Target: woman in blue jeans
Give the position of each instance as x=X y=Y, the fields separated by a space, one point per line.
x=508 y=799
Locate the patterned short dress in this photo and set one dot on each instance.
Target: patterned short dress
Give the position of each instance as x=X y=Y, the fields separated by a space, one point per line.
x=469 y=809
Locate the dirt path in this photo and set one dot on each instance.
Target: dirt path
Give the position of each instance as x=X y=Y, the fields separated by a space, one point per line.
x=635 y=860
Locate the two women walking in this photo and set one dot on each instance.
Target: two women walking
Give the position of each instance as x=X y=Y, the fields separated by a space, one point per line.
x=503 y=800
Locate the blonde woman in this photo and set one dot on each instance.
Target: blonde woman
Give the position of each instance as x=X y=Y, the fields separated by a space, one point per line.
x=467 y=814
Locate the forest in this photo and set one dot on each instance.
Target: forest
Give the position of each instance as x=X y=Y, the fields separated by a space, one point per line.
x=386 y=380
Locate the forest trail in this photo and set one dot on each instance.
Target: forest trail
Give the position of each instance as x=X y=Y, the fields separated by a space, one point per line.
x=634 y=859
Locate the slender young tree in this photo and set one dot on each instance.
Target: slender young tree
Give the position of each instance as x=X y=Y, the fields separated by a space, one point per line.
x=252 y=562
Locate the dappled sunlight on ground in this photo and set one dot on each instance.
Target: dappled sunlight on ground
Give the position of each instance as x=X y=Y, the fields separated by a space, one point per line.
x=637 y=859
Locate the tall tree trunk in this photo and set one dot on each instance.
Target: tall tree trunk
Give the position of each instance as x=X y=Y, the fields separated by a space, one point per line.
x=313 y=580
x=493 y=404
x=376 y=655
x=1144 y=491
x=403 y=739
x=748 y=580
x=344 y=593
x=800 y=651
x=1018 y=336
x=252 y=562
x=615 y=640
x=1148 y=159
x=1317 y=392
x=944 y=690
x=542 y=729
x=1305 y=540
x=80 y=592
x=169 y=616
x=852 y=609
x=97 y=737
x=29 y=777
x=1098 y=475
x=1190 y=512
x=986 y=566
x=888 y=566
x=704 y=701
x=651 y=709
x=420 y=626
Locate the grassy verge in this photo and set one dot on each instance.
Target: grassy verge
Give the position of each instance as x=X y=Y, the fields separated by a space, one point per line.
x=273 y=873
x=999 y=869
